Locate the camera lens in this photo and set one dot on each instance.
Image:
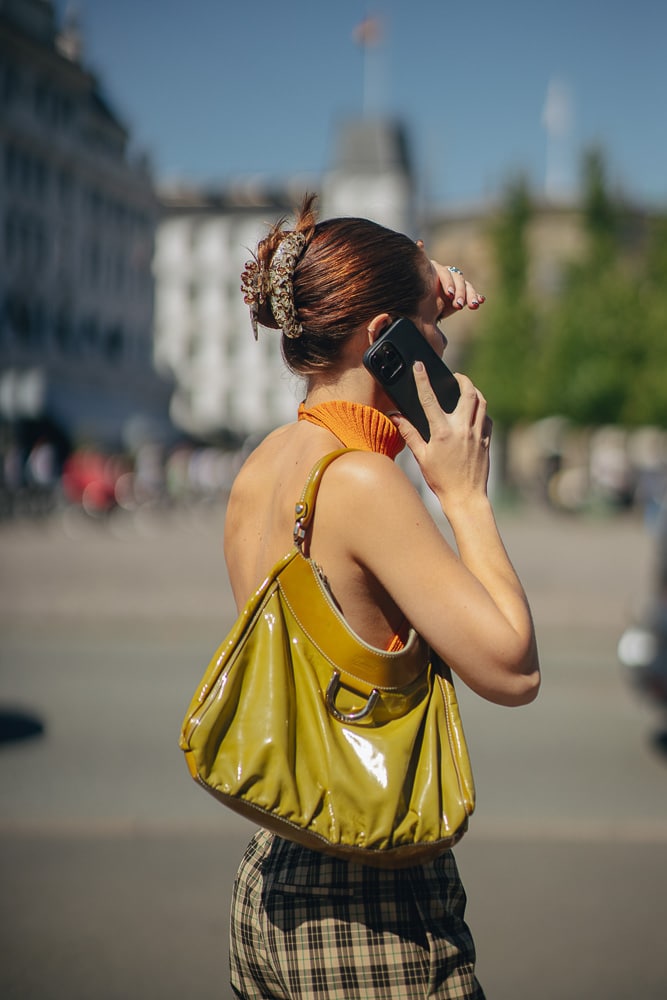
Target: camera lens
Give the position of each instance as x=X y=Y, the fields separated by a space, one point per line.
x=388 y=363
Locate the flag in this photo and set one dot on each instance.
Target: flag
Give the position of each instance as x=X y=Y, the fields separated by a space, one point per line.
x=368 y=32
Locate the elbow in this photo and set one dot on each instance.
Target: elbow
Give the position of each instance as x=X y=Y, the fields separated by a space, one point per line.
x=523 y=684
x=511 y=691
x=510 y=677
x=521 y=678
x=524 y=689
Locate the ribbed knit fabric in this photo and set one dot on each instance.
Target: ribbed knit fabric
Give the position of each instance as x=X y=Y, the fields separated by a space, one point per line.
x=359 y=426
x=356 y=425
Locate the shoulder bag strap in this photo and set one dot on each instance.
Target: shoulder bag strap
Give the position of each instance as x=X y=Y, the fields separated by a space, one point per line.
x=305 y=508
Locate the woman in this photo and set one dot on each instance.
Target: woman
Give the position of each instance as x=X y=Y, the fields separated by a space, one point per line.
x=305 y=924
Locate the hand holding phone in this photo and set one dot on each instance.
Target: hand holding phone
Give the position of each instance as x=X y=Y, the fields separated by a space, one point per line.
x=391 y=359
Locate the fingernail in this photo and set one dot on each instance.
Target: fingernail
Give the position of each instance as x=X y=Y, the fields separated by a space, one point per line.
x=474 y=304
x=460 y=303
x=451 y=291
x=419 y=366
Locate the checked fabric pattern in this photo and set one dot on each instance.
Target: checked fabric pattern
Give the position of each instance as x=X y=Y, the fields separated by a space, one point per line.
x=305 y=925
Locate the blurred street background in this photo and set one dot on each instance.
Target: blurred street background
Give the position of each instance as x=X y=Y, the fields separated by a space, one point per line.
x=117 y=870
x=144 y=148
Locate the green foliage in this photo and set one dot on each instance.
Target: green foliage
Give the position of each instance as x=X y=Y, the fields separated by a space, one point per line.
x=648 y=403
x=604 y=356
x=594 y=343
x=500 y=362
x=596 y=354
x=601 y=215
x=508 y=234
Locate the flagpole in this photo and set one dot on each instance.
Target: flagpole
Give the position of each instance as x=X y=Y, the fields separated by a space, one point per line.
x=367 y=35
x=556 y=118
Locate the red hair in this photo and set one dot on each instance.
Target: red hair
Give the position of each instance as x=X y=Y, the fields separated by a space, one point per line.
x=350 y=271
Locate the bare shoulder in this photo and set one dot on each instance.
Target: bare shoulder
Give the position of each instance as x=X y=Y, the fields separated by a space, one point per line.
x=370 y=476
x=368 y=496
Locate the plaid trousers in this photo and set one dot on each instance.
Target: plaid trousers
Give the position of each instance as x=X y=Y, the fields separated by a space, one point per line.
x=306 y=925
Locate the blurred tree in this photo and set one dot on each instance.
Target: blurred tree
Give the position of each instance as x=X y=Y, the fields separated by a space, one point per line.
x=502 y=356
x=647 y=399
x=592 y=349
x=596 y=338
x=596 y=354
x=601 y=214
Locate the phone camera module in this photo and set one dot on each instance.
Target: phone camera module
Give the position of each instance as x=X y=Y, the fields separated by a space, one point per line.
x=387 y=363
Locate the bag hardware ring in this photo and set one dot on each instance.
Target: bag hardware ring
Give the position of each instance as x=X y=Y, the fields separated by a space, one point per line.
x=332 y=690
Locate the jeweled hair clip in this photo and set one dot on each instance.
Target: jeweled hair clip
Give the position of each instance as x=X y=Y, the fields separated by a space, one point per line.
x=276 y=284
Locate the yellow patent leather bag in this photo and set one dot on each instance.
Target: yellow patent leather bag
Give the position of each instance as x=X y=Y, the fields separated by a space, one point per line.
x=304 y=728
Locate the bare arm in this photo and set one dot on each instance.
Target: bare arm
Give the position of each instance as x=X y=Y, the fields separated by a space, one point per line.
x=469 y=606
x=455 y=464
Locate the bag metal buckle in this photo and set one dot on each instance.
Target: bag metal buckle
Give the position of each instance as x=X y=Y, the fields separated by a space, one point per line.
x=332 y=690
x=300 y=511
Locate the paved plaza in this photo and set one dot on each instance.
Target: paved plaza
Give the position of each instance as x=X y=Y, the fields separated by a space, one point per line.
x=117 y=870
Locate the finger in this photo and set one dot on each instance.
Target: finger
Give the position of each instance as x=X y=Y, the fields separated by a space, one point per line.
x=455 y=286
x=487 y=431
x=427 y=396
x=470 y=387
x=452 y=281
x=471 y=407
x=466 y=294
x=468 y=390
x=474 y=299
x=480 y=418
x=430 y=404
x=409 y=433
x=458 y=281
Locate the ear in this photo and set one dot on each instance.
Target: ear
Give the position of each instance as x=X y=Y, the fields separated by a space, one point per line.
x=377 y=326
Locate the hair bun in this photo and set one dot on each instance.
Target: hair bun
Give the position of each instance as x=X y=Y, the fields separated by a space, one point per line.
x=271 y=284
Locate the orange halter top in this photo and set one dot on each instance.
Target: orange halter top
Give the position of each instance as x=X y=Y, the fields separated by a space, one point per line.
x=359 y=426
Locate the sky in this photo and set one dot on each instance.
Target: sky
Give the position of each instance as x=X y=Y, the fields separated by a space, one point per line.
x=218 y=90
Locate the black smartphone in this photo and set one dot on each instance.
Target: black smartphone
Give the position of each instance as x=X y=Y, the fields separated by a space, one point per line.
x=390 y=360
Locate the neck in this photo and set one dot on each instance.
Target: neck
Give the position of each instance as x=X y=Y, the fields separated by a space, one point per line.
x=353 y=384
x=350 y=380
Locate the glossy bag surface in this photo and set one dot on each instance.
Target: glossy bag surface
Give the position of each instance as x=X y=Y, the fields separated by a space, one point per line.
x=301 y=726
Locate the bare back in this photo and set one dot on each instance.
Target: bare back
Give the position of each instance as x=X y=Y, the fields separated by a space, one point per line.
x=260 y=521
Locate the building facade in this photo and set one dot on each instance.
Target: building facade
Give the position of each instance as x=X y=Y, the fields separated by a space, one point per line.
x=371 y=175
x=227 y=385
x=77 y=230
x=225 y=382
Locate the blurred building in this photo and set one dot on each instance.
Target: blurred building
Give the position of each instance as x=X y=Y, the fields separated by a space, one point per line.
x=77 y=230
x=228 y=386
x=371 y=175
x=461 y=235
x=225 y=382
